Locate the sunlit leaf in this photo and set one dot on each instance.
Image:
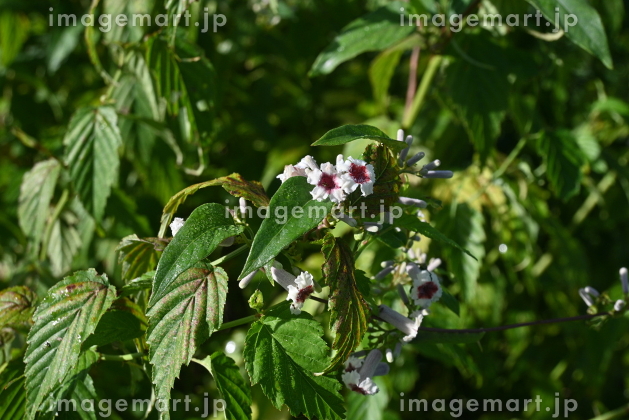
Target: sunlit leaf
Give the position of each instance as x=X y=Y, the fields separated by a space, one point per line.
x=65 y=318
x=348 y=133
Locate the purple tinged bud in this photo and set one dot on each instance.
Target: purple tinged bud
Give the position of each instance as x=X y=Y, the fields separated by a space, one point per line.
x=385 y=264
x=245 y=282
x=402 y=157
x=416 y=158
x=431 y=165
x=624 y=279
x=402 y=293
x=370 y=364
x=416 y=238
x=409 y=140
x=438 y=174
x=586 y=297
x=413 y=202
x=399 y=321
x=619 y=305
x=398 y=349
x=383 y=273
x=592 y=291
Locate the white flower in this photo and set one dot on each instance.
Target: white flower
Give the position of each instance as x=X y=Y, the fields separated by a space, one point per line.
x=356 y=173
x=305 y=166
x=426 y=287
x=360 y=380
x=176 y=225
x=299 y=288
x=327 y=184
x=353 y=363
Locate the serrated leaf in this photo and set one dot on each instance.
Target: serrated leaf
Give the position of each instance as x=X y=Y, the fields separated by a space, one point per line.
x=231 y=384
x=281 y=353
x=464 y=225
x=63 y=243
x=410 y=222
x=283 y=225
x=375 y=31
x=564 y=160
x=139 y=256
x=234 y=184
x=65 y=318
x=91 y=153
x=124 y=320
x=36 y=192
x=207 y=226
x=12 y=391
x=447 y=338
x=64 y=402
x=186 y=314
x=16 y=306
x=349 y=133
x=349 y=309
x=588 y=33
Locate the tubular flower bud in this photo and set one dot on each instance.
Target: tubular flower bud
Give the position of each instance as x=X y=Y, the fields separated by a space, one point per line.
x=413 y=202
x=360 y=380
x=372 y=227
x=245 y=281
x=624 y=279
x=416 y=158
x=438 y=174
x=299 y=288
x=402 y=323
x=586 y=297
x=383 y=273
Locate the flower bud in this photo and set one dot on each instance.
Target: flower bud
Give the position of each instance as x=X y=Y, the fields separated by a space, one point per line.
x=438 y=174
x=619 y=305
x=245 y=281
x=413 y=202
x=416 y=158
x=586 y=297
x=383 y=273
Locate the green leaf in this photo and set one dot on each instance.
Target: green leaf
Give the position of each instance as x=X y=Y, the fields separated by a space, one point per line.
x=292 y=212
x=564 y=159
x=380 y=73
x=144 y=282
x=91 y=153
x=207 y=226
x=588 y=33
x=375 y=31
x=465 y=225
x=16 y=306
x=281 y=353
x=64 y=242
x=372 y=407
x=139 y=256
x=186 y=314
x=14 y=30
x=450 y=302
x=65 y=318
x=349 y=133
x=12 y=391
x=413 y=223
x=231 y=384
x=447 y=338
x=36 y=192
x=479 y=87
x=187 y=79
x=123 y=321
x=234 y=184
x=349 y=309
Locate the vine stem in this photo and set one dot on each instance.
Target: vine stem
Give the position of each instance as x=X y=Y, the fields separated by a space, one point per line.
x=512 y=326
x=422 y=90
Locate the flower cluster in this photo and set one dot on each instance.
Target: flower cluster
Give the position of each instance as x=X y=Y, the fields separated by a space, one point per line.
x=591 y=296
x=333 y=182
x=358 y=372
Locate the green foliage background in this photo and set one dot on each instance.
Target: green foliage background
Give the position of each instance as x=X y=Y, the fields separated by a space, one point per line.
x=536 y=130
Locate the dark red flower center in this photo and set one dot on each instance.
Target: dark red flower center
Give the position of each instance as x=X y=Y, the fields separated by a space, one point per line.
x=427 y=290
x=304 y=293
x=327 y=181
x=359 y=173
x=358 y=389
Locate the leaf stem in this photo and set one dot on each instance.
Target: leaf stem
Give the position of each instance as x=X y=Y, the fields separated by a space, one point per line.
x=120 y=357
x=512 y=326
x=58 y=209
x=422 y=90
x=238 y=322
x=231 y=255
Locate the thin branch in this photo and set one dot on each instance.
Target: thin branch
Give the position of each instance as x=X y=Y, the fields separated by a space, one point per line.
x=324 y=301
x=412 y=79
x=512 y=326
